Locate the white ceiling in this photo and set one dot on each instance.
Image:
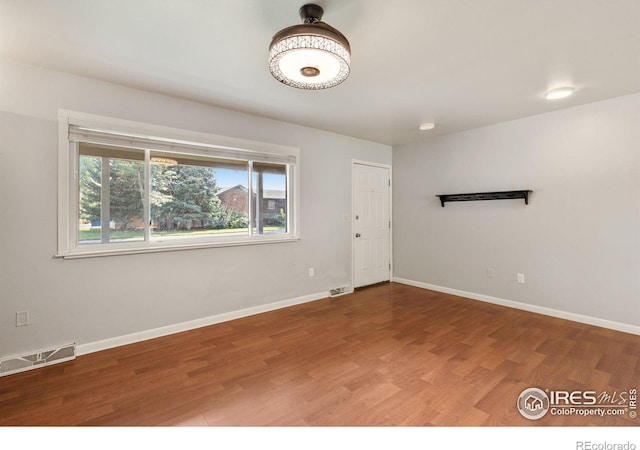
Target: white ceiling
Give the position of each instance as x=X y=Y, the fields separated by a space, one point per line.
x=460 y=63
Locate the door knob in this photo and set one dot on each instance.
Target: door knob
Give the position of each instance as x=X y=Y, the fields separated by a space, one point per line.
x=357 y=234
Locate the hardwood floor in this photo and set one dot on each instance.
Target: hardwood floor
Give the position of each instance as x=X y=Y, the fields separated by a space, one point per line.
x=386 y=355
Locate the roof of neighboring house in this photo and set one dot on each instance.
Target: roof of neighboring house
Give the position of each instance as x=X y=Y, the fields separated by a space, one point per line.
x=237 y=186
x=275 y=194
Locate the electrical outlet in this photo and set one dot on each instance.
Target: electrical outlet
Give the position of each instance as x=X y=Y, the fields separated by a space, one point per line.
x=491 y=273
x=22 y=318
x=521 y=278
x=312 y=271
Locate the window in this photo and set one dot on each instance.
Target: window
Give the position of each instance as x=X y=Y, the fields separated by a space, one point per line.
x=131 y=188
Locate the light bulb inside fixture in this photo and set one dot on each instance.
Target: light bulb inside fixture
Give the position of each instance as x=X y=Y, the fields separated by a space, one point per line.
x=427 y=126
x=559 y=93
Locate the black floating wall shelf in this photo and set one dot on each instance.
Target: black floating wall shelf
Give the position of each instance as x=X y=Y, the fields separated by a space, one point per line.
x=504 y=195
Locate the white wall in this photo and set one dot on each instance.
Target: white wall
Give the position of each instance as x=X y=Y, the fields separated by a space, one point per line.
x=90 y=300
x=578 y=240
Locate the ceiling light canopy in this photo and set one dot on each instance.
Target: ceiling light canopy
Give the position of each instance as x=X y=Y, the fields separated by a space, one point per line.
x=559 y=93
x=312 y=55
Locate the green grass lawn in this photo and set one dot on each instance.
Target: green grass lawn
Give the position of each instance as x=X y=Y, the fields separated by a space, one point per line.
x=93 y=234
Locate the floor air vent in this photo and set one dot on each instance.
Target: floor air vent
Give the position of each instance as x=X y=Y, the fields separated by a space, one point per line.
x=339 y=291
x=16 y=364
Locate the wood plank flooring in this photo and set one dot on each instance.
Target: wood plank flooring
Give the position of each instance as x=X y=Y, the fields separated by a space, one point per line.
x=387 y=355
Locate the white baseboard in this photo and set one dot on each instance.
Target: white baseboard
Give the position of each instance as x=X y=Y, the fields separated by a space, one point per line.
x=618 y=326
x=90 y=347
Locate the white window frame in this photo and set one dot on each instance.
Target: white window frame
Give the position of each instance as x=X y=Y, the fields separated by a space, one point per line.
x=202 y=143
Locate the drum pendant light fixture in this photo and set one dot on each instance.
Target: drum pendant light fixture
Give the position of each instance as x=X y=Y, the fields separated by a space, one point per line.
x=312 y=55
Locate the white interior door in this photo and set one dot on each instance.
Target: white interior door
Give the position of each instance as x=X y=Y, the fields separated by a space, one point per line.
x=371 y=224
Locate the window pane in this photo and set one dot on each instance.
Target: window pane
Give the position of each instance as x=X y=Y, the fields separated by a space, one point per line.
x=270 y=198
x=234 y=199
x=126 y=200
x=90 y=195
x=111 y=211
x=187 y=199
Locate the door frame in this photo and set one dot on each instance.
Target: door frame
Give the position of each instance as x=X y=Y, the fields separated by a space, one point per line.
x=355 y=162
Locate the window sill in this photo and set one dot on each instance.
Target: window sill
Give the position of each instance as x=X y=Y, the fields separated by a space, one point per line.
x=78 y=254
